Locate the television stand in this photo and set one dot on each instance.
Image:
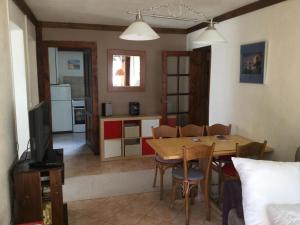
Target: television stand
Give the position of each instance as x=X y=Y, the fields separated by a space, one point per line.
x=38 y=191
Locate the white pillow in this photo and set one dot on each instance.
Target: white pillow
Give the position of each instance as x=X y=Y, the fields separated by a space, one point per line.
x=288 y=214
x=264 y=183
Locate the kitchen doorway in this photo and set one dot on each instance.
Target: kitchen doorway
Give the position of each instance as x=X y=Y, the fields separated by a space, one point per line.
x=69 y=83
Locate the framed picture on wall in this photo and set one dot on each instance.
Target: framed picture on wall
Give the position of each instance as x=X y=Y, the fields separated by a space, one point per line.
x=74 y=64
x=252 y=64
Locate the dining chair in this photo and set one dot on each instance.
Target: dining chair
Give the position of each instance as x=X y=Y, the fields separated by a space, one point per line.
x=252 y=150
x=219 y=129
x=191 y=130
x=189 y=177
x=161 y=164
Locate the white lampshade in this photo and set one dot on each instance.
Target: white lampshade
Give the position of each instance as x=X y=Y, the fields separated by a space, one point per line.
x=139 y=31
x=210 y=36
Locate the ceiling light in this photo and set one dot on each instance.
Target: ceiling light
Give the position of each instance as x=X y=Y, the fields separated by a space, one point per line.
x=139 y=30
x=210 y=36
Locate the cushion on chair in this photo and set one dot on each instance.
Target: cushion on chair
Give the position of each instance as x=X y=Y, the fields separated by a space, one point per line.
x=171 y=161
x=194 y=174
x=229 y=170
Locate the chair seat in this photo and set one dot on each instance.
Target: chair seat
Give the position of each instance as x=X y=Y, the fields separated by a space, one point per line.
x=171 y=161
x=193 y=174
x=229 y=170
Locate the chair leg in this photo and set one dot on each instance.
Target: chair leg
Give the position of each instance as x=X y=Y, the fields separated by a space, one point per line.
x=155 y=175
x=174 y=185
x=207 y=202
x=187 y=207
x=220 y=182
x=162 y=172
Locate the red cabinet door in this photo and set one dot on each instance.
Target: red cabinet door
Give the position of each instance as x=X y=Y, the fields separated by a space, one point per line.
x=146 y=148
x=112 y=129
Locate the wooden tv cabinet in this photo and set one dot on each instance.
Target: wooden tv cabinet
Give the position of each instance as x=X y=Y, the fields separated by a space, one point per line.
x=36 y=190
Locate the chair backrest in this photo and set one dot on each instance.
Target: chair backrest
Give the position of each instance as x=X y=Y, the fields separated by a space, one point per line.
x=202 y=153
x=253 y=150
x=297 y=155
x=191 y=130
x=164 y=131
x=218 y=129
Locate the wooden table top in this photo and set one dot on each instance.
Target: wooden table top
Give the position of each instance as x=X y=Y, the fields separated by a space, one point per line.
x=171 y=148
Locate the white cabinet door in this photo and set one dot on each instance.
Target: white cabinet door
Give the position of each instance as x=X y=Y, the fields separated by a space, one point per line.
x=147 y=127
x=61 y=116
x=112 y=148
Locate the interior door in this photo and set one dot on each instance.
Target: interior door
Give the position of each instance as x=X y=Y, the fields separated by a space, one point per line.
x=185 y=84
x=175 y=82
x=91 y=102
x=200 y=62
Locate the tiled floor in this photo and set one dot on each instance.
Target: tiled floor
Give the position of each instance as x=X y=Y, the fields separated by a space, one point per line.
x=137 y=209
x=133 y=209
x=80 y=160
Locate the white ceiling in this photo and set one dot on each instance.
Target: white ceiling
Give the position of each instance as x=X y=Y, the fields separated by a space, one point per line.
x=114 y=12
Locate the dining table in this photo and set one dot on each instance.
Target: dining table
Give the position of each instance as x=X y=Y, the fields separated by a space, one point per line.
x=172 y=148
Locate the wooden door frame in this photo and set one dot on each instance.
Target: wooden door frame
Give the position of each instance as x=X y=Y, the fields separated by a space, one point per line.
x=44 y=77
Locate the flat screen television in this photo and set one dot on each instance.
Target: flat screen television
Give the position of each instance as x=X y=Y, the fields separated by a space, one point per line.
x=39 y=128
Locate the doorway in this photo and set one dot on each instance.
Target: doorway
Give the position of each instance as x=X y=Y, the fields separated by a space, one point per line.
x=68 y=82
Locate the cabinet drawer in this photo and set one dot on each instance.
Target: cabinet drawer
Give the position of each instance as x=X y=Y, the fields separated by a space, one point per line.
x=112 y=148
x=112 y=129
x=146 y=148
x=131 y=150
x=131 y=132
x=147 y=127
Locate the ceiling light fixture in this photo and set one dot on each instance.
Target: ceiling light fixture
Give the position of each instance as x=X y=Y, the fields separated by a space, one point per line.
x=139 y=30
x=210 y=36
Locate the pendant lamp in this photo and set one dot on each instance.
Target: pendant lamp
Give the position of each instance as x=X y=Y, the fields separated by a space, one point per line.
x=139 y=30
x=210 y=36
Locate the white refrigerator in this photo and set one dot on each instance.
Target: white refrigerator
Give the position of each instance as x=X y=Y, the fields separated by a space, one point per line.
x=61 y=108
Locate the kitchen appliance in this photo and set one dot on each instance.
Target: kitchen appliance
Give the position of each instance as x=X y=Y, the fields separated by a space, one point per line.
x=134 y=108
x=78 y=106
x=106 y=109
x=61 y=108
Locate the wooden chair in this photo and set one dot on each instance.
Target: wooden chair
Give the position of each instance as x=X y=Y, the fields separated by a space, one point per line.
x=163 y=131
x=219 y=129
x=252 y=150
x=190 y=177
x=191 y=130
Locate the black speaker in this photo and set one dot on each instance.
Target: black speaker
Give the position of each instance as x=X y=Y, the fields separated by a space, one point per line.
x=134 y=108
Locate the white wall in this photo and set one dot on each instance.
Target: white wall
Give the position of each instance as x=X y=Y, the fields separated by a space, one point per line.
x=18 y=18
x=270 y=111
x=7 y=134
x=19 y=86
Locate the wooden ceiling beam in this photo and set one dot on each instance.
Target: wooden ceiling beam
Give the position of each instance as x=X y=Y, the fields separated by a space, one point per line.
x=85 y=26
x=238 y=12
x=22 y=5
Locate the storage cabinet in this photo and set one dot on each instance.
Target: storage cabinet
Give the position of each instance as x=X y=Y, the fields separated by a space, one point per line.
x=124 y=137
x=37 y=195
